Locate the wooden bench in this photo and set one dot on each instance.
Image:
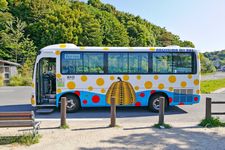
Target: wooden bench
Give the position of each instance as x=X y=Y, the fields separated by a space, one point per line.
x=19 y=119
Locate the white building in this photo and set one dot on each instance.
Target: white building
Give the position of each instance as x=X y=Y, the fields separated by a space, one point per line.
x=7 y=70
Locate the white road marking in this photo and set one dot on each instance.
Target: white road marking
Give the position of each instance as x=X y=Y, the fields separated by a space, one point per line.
x=69 y=119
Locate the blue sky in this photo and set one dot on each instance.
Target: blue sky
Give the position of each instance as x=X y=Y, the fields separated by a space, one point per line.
x=200 y=21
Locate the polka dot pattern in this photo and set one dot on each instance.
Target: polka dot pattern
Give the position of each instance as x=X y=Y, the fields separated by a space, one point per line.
x=83 y=78
x=196 y=82
x=171 y=89
x=183 y=84
x=189 y=76
x=58 y=75
x=57 y=52
x=95 y=99
x=112 y=78
x=125 y=77
x=59 y=90
x=77 y=93
x=172 y=79
x=138 y=77
x=136 y=88
x=148 y=84
x=138 y=104
x=71 y=85
x=161 y=86
x=100 y=81
x=102 y=90
x=156 y=77
x=90 y=88
x=84 y=102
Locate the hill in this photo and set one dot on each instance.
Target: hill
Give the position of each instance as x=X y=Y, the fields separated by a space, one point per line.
x=217 y=57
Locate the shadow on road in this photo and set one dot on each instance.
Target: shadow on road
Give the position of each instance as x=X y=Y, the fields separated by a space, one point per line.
x=95 y=112
x=175 y=138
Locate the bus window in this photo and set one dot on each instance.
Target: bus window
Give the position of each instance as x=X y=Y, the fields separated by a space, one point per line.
x=162 y=62
x=117 y=62
x=79 y=63
x=182 y=62
x=138 y=62
x=93 y=62
x=128 y=63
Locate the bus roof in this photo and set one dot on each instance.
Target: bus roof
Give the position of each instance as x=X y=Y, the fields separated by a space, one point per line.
x=72 y=47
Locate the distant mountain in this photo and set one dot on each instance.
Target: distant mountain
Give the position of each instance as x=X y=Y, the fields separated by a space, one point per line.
x=217 y=57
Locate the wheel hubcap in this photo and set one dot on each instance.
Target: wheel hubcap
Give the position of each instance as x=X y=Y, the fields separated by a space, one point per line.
x=70 y=103
x=156 y=104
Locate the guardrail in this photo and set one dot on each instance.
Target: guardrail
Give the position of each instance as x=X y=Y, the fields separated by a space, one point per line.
x=209 y=112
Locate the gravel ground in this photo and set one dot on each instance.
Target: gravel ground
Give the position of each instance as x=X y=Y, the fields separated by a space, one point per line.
x=85 y=135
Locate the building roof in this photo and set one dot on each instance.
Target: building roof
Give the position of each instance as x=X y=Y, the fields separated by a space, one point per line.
x=10 y=63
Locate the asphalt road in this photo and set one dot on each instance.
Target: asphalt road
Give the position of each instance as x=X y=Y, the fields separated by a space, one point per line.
x=217 y=75
x=18 y=99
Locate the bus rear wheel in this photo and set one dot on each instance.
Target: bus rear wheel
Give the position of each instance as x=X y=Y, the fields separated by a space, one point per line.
x=153 y=104
x=73 y=103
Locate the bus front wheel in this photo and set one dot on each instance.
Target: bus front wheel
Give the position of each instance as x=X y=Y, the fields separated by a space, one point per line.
x=73 y=103
x=153 y=104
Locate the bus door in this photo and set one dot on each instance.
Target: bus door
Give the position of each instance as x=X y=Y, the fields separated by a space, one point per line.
x=46 y=81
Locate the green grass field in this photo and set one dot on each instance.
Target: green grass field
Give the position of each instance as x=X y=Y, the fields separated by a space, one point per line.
x=209 y=86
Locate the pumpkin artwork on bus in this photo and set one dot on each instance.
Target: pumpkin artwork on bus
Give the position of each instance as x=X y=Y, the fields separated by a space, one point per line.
x=135 y=76
x=123 y=93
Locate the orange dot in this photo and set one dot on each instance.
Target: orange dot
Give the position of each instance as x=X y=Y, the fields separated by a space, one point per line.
x=161 y=86
x=156 y=77
x=57 y=52
x=172 y=79
x=136 y=88
x=189 y=76
x=183 y=84
x=138 y=77
x=198 y=91
x=171 y=89
x=83 y=78
x=71 y=85
x=102 y=90
x=125 y=77
x=58 y=90
x=90 y=88
x=148 y=84
x=58 y=75
x=196 y=82
x=112 y=78
x=100 y=81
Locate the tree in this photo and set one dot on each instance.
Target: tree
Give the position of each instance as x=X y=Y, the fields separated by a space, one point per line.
x=14 y=45
x=206 y=65
x=91 y=34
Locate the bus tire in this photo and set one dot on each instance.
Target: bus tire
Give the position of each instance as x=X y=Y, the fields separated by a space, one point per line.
x=153 y=104
x=73 y=103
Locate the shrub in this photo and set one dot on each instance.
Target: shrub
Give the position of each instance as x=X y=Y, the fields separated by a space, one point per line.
x=20 y=81
x=212 y=122
x=25 y=139
x=1 y=80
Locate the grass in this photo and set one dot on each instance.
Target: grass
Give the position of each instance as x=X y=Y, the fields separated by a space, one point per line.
x=66 y=126
x=210 y=73
x=212 y=122
x=161 y=126
x=25 y=139
x=209 y=86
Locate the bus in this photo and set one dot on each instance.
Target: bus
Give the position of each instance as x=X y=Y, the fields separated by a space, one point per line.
x=84 y=74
